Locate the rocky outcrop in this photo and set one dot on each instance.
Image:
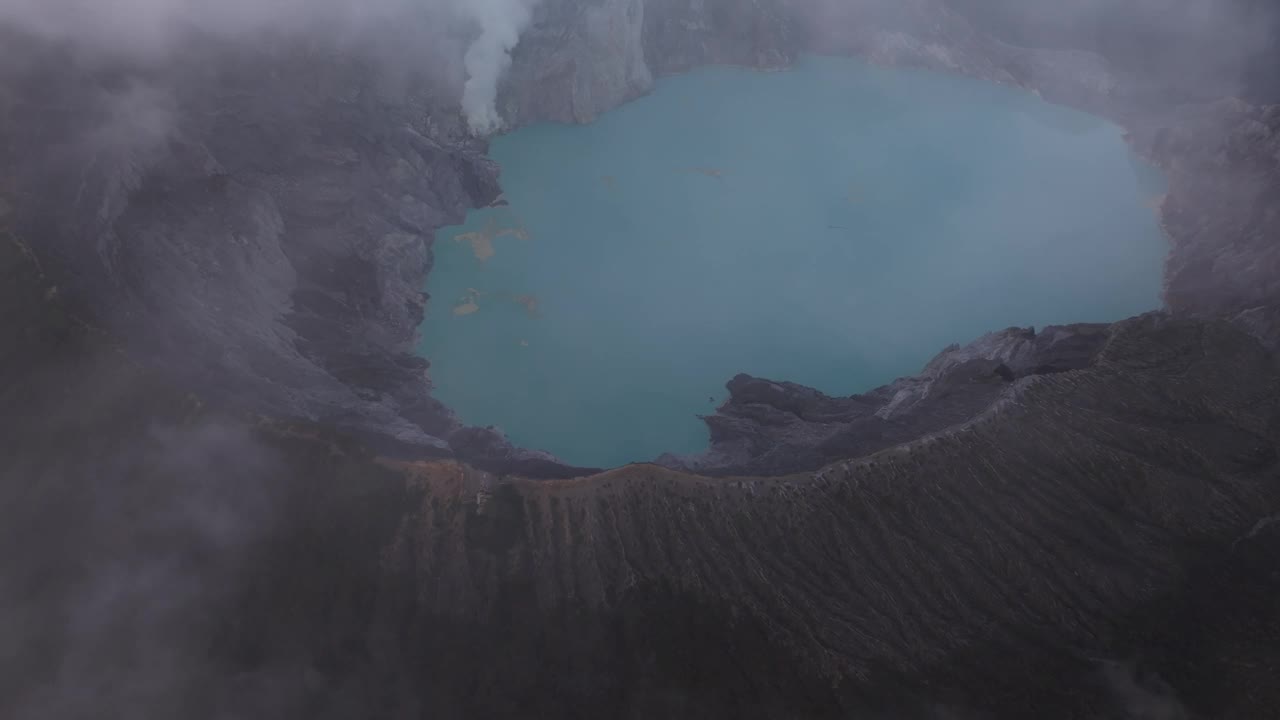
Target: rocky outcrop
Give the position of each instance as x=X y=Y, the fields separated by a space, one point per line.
x=582 y=59
x=680 y=36
x=769 y=428
x=577 y=61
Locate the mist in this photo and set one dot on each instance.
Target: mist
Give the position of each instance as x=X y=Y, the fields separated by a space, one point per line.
x=151 y=30
x=150 y=27
x=1186 y=49
x=1189 y=42
x=500 y=23
x=162 y=545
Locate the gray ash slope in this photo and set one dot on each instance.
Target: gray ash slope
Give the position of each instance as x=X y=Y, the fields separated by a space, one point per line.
x=248 y=230
x=259 y=222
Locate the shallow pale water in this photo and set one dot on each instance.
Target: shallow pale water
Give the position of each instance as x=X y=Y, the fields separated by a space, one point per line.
x=835 y=225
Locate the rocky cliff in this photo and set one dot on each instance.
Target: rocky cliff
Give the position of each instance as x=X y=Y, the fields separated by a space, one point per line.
x=229 y=494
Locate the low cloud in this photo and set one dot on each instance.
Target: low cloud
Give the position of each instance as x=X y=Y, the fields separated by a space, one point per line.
x=1215 y=46
x=500 y=24
x=150 y=29
x=148 y=553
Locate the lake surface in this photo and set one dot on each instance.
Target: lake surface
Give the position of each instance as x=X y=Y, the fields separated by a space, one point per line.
x=835 y=225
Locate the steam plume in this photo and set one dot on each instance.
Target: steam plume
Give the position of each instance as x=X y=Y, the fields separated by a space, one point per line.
x=156 y=26
x=501 y=22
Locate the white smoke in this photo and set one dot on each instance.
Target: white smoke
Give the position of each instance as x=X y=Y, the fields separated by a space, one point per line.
x=500 y=24
x=151 y=28
x=154 y=27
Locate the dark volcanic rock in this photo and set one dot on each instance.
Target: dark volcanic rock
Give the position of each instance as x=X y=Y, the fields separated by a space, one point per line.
x=1262 y=323
x=489 y=450
x=578 y=60
x=770 y=428
x=581 y=59
x=679 y=36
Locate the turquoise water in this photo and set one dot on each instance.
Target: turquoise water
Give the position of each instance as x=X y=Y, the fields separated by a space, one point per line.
x=835 y=225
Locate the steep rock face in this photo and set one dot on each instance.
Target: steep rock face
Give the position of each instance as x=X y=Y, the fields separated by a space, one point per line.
x=578 y=60
x=581 y=59
x=682 y=35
